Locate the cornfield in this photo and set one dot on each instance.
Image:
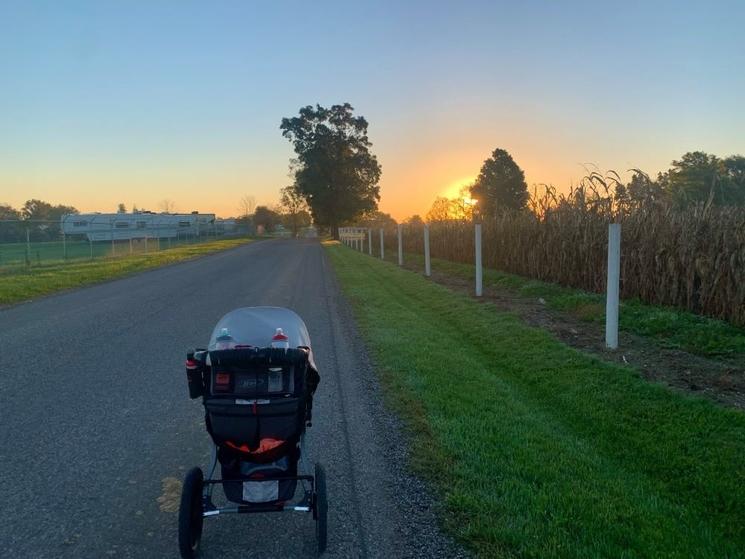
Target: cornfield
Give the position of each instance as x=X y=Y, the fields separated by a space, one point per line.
x=691 y=258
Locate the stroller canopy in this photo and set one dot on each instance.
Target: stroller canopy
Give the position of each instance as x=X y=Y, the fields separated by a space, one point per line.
x=255 y=326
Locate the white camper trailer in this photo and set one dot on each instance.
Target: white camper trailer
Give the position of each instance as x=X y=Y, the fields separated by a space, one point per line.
x=123 y=226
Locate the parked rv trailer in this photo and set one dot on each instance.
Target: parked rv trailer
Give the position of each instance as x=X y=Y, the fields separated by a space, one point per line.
x=123 y=226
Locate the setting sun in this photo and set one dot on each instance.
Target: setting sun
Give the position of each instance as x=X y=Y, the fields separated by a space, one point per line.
x=453 y=190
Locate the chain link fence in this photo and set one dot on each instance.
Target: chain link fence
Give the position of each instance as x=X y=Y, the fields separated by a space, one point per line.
x=35 y=242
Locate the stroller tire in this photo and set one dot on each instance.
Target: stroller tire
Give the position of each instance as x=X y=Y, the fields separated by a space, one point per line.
x=190 y=514
x=320 y=509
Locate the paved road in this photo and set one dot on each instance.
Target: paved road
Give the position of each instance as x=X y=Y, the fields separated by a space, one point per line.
x=97 y=429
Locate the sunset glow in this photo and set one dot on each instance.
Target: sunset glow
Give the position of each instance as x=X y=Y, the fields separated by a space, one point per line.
x=453 y=191
x=105 y=103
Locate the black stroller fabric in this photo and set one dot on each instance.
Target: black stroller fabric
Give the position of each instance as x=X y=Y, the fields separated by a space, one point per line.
x=246 y=416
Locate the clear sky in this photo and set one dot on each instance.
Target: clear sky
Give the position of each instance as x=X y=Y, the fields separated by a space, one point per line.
x=104 y=102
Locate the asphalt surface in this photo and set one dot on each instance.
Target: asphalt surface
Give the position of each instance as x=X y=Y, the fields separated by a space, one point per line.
x=97 y=430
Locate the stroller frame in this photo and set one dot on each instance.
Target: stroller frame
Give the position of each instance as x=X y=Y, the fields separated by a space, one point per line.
x=197 y=504
x=248 y=327
x=305 y=504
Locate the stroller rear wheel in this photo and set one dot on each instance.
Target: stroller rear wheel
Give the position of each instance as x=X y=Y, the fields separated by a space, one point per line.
x=190 y=514
x=320 y=508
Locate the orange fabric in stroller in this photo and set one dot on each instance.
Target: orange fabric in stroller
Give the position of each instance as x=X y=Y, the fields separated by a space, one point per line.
x=265 y=445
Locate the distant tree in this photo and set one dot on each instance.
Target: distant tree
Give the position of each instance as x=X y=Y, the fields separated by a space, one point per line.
x=44 y=218
x=8 y=212
x=335 y=171
x=298 y=221
x=694 y=178
x=376 y=219
x=440 y=210
x=167 y=206
x=460 y=208
x=134 y=209
x=639 y=191
x=40 y=210
x=500 y=185
x=733 y=179
x=12 y=231
x=463 y=206
x=294 y=209
x=247 y=205
x=267 y=218
x=702 y=177
x=121 y=208
x=415 y=220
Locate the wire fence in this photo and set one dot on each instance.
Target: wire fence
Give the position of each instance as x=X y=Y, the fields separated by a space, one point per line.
x=692 y=259
x=35 y=242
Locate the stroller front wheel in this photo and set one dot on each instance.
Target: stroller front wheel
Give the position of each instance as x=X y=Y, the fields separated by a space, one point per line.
x=190 y=514
x=320 y=507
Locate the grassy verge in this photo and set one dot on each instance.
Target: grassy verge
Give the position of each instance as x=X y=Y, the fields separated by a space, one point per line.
x=537 y=449
x=668 y=327
x=21 y=284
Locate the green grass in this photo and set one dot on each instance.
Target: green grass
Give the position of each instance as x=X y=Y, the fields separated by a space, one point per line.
x=21 y=283
x=536 y=449
x=667 y=327
x=54 y=251
x=16 y=253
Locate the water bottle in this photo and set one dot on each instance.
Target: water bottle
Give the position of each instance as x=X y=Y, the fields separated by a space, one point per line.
x=280 y=340
x=224 y=340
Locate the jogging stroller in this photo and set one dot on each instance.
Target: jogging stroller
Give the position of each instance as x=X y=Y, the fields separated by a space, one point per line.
x=256 y=380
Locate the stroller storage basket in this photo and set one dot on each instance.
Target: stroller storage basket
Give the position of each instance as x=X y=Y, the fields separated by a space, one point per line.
x=251 y=483
x=258 y=400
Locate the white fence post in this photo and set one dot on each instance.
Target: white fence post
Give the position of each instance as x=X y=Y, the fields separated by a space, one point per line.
x=479 y=271
x=382 y=248
x=427 y=264
x=369 y=240
x=400 y=245
x=612 y=288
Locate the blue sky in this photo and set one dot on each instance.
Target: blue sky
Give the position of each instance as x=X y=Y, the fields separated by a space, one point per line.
x=102 y=102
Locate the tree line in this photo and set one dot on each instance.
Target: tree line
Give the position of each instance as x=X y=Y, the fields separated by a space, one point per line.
x=44 y=216
x=696 y=178
x=291 y=213
x=336 y=178
x=336 y=175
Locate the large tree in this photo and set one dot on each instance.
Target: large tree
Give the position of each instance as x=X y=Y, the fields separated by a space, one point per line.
x=335 y=172
x=500 y=185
